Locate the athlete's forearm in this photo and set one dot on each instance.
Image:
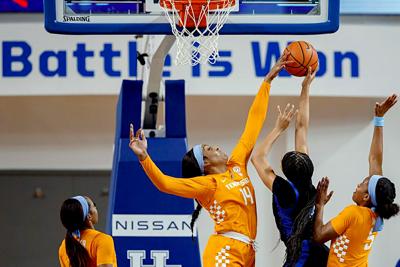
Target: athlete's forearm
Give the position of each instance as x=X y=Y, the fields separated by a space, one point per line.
x=302 y=120
x=376 y=152
x=257 y=113
x=254 y=123
x=157 y=177
x=183 y=187
x=260 y=161
x=265 y=148
x=318 y=223
x=303 y=116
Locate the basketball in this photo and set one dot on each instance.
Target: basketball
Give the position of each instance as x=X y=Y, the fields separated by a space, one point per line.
x=303 y=56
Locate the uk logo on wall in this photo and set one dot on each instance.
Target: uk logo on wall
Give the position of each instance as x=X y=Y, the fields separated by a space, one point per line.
x=159 y=258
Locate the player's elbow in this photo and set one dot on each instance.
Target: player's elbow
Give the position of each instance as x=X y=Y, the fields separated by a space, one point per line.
x=317 y=237
x=163 y=187
x=257 y=158
x=301 y=123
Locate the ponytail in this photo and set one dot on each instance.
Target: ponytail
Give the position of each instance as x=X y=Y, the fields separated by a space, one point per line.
x=71 y=216
x=303 y=222
x=385 y=195
x=190 y=168
x=387 y=210
x=77 y=254
x=195 y=215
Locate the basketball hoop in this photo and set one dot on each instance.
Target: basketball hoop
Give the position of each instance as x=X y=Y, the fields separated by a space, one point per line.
x=196 y=25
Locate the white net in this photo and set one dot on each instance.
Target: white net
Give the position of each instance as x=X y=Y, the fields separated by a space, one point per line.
x=196 y=28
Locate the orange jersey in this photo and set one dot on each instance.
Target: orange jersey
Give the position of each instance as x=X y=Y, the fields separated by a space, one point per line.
x=99 y=245
x=224 y=251
x=354 y=226
x=228 y=197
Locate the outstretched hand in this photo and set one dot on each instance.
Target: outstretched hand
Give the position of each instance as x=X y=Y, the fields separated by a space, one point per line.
x=283 y=120
x=138 y=143
x=279 y=65
x=309 y=77
x=322 y=192
x=383 y=107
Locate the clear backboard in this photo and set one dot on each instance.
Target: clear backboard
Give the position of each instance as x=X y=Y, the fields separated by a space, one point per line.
x=147 y=17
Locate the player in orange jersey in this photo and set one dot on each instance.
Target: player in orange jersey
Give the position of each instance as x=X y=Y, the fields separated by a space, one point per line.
x=294 y=197
x=353 y=231
x=219 y=184
x=83 y=246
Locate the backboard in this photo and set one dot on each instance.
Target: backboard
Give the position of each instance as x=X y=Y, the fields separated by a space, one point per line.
x=146 y=17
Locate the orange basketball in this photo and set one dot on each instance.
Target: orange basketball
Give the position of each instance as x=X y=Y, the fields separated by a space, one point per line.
x=303 y=56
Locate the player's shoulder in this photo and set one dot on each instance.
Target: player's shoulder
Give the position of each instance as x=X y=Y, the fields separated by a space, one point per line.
x=352 y=208
x=358 y=214
x=355 y=210
x=92 y=234
x=103 y=236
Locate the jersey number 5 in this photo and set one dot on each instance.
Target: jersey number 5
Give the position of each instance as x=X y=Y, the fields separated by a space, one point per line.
x=371 y=239
x=247 y=196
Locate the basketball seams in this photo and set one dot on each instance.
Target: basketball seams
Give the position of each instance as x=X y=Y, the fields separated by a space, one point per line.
x=312 y=54
x=291 y=56
x=298 y=68
x=301 y=49
x=303 y=71
x=295 y=67
x=316 y=62
x=295 y=59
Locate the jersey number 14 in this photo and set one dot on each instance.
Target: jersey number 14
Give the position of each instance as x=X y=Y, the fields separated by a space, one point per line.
x=247 y=196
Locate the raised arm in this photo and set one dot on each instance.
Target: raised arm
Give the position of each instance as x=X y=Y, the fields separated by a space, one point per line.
x=200 y=188
x=376 y=151
x=256 y=116
x=322 y=232
x=259 y=158
x=303 y=117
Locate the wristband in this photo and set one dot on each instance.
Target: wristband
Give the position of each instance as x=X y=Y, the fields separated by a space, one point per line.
x=379 y=121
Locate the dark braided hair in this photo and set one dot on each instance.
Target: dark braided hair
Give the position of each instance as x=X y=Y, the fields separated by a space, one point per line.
x=385 y=195
x=301 y=230
x=71 y=215
x=190 y=168
x=298 y=168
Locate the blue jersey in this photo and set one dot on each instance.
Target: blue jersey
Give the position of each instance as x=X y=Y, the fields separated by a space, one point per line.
x=286 y=208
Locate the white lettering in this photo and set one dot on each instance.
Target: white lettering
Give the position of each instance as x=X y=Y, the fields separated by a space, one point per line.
x=159 y=258
x=151 y=225
x=242 y=182
x=246 y=193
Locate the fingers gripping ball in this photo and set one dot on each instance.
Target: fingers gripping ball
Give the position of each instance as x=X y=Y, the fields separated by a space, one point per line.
x=302 y=55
